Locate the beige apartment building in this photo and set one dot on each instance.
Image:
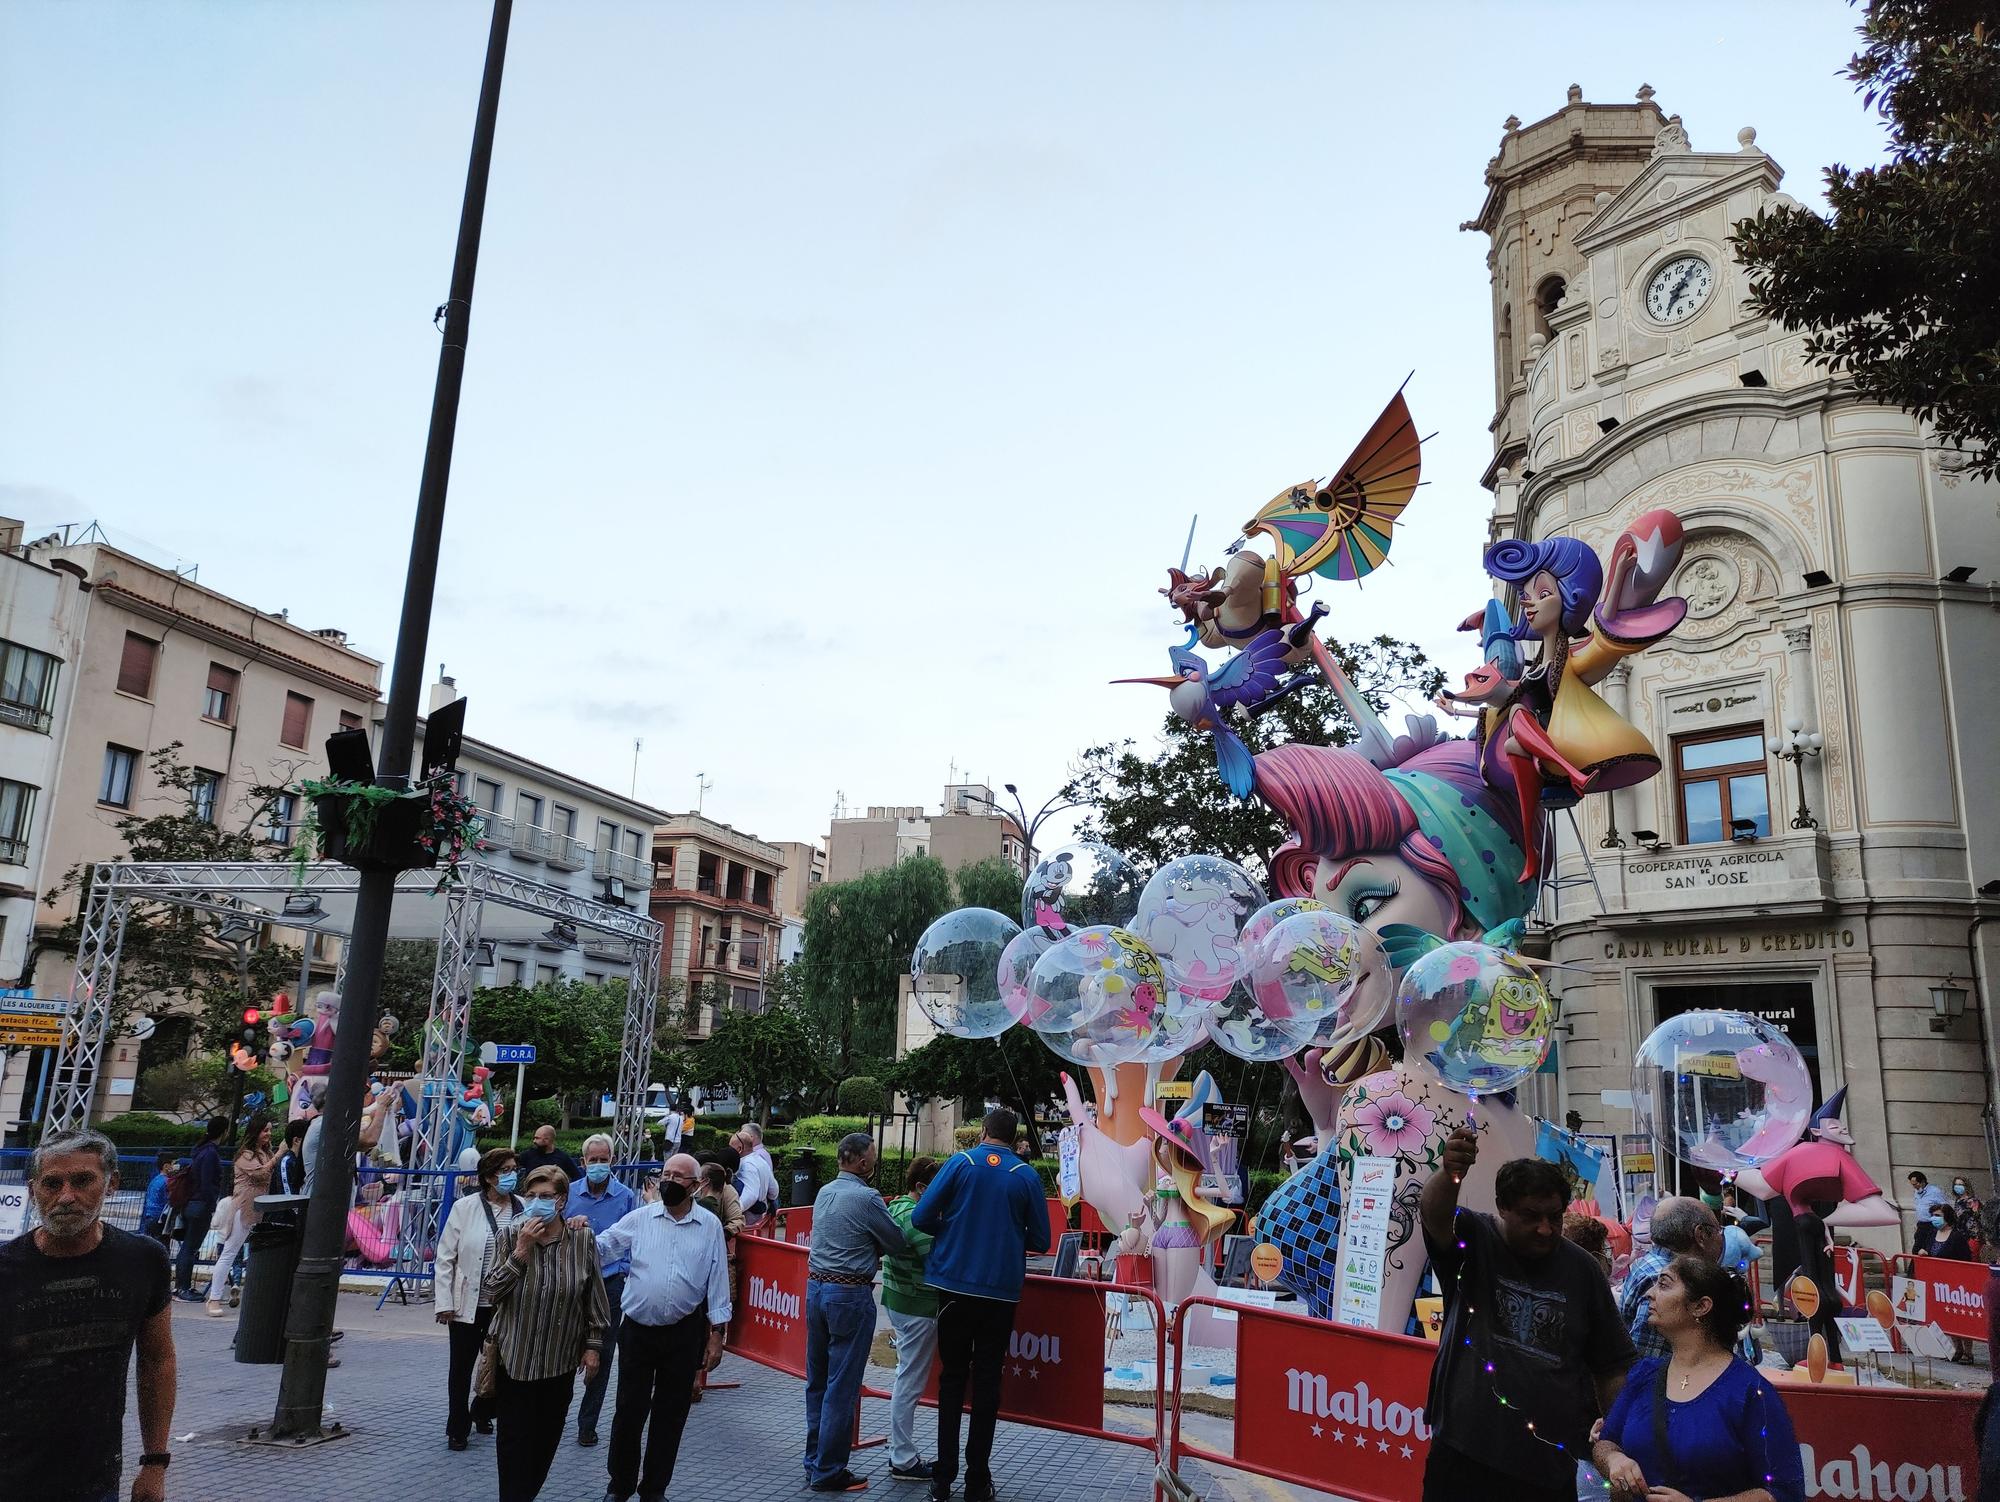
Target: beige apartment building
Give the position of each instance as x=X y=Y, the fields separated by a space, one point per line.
x=147 y=657
x=716 y=890
x=966 y=829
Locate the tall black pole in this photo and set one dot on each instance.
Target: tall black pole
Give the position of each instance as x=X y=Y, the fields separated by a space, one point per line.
x=317 y=1285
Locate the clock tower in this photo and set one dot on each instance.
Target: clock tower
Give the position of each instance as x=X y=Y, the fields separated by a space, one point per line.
x=1819 y=846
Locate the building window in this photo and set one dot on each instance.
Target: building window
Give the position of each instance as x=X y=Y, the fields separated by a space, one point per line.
x=635 y=843
x=547 y=975
x=284 y=818
x=487 y=795
x=563 y=820
x=219 y=702
x=204 y=795
x=607 y=837
x=135 y=667
x=593 y=977
x=1721 y=778
x=460 y=781
x=1547 y=297
x=510 y=972
x=27 y=686
x=349 y=720
x=746 y=999
x=121 y=767
x=17 y=808
x=298 y=721
x=527 y=811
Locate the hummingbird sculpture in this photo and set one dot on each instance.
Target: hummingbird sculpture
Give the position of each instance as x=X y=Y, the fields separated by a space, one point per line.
x=1203 y=698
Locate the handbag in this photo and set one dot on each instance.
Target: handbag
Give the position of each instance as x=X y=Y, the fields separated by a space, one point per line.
x=486 y=1375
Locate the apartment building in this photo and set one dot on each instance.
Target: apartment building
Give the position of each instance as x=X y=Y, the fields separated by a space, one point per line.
x=805 y=869
x=967 y=828
x=716 y=890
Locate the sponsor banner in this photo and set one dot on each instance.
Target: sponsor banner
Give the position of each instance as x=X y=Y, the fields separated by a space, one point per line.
x=1054 y=1371
x=768 y=1324
x=1869 y=1442
x=1364 y=1241
x=1950 y=1294
x=1333 y=1406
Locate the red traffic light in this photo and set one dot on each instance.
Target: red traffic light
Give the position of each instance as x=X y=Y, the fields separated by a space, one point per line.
x=253 y=1015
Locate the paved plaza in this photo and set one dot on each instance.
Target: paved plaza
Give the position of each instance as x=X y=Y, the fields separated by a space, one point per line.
x=742 y=1445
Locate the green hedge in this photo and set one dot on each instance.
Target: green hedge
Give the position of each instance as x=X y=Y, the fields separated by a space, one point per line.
x=145 y=1129
x=816 y=1131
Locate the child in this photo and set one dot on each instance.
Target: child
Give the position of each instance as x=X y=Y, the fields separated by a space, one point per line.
x=155 y=1214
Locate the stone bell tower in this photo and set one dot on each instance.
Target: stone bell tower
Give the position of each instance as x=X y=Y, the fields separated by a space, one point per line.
x=1541 y=188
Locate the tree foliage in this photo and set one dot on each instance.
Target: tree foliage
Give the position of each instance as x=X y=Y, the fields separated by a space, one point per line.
x=858 y=939
x=172 y=953
x=1016 y=1067
x=576 y=1028
x=1899 y=285
x=993 y=882
x=1176 y=804
x=198 y=1086
x=765 y=1058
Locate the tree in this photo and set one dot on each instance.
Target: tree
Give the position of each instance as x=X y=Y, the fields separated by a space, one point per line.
x=172 y=952
x=763 y=1057
x=993 y=882
x=1176 y=803
x=198 y=1086
x=577 y=1030
x=858 y=939
x=1899 y=285
x=1016 y=1067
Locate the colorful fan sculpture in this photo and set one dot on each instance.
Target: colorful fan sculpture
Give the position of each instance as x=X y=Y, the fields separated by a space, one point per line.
x=1340 y=528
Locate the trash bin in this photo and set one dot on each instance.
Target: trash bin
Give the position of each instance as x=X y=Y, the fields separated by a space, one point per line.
x=267 y=1282
x=805 y=1179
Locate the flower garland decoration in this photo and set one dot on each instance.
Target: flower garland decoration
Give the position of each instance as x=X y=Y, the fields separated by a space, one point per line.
x=452 y=827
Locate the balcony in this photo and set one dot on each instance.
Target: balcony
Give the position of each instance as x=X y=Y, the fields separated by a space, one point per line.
x=27 y=716
x=13 y=852
x=567 y=854
x=495 y=833
x=609 y=865
x=531 y=842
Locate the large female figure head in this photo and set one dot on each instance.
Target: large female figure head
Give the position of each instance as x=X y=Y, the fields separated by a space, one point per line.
x=1428 y=843
x=1559 y=581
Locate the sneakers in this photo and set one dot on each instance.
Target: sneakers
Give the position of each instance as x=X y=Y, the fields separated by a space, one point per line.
x=215 y=1310
x=841 y=1481
x=920 y=1471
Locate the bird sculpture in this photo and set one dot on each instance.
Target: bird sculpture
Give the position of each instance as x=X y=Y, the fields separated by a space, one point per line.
x=1203 y=698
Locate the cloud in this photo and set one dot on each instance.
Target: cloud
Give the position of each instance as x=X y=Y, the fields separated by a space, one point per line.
x=253 y=404
x=37 y=504
x=631 y=714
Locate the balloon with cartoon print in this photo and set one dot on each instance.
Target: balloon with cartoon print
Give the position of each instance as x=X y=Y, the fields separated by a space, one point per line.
x=1722 y=1090
x=1308 y=964
x=1192 y=914
x=1117 y=986
x=1477 y=1015
x=1084 y=884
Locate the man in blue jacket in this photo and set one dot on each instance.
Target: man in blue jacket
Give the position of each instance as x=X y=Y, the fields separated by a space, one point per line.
x=987 y=1210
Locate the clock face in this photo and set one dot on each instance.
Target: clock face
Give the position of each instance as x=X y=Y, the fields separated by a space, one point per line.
x=1679 y=288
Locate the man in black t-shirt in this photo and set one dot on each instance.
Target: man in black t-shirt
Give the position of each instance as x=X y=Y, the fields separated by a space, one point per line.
x=545 y=1154
x=1532 y=1350
x=76 y=1295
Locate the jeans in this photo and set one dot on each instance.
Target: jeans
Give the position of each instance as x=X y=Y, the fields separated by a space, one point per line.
x=916 y=1347
x=194 y=1230
x=657 y=1364
x=466 y=1338
x=225 y=1260
x=840 y=1323
x=529 y=1419
x=972 y=1347
x=593 y=1390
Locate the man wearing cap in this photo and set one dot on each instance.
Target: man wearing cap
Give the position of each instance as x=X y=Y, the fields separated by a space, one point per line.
x=987 y=1210
x=851 y=1229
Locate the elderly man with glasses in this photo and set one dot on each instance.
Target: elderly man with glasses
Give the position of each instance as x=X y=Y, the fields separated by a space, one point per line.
x=600 y=1202
x=675 y=1309
x=1681 y=1226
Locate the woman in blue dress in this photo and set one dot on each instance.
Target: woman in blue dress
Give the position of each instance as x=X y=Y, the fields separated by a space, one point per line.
x=1701 y=1424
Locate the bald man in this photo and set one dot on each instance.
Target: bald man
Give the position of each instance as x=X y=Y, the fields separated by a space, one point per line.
x=676 y=1312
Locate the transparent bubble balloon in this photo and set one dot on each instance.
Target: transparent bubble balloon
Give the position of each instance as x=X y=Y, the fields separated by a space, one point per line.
x=1089 y=972
x=1720 y=1090
x=955 y=972
x=1176 y=1032
x=1477 y=1015
x=1112 y=973
x=1083 y=885
x=1308 y=965
x=1274 y=912
x=1238 y=1025
x=1192 y=913
x=1017 y=966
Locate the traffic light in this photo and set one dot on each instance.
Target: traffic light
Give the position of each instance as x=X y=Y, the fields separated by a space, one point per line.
x=246 y=1051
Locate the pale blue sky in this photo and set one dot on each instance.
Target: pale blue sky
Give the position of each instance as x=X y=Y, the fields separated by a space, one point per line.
x=843 y=377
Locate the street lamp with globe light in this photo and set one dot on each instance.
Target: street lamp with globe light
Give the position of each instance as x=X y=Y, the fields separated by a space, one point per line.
x=1794 y=746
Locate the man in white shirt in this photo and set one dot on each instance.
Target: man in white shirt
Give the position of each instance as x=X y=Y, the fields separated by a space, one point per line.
x=671 y=1124
x=676 y=1312
x=760 y=1180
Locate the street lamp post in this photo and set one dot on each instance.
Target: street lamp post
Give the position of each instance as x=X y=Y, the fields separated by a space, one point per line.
x=1795 y=746
x=1020 y=812
x=316 y=1286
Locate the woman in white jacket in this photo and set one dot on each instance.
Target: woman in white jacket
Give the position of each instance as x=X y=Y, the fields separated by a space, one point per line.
x=465 y=1253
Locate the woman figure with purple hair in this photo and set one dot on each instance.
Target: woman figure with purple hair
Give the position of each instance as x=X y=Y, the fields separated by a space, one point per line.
x=1553 y=726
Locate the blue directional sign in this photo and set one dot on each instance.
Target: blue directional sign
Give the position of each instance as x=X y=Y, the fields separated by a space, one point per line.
x=513 y=1053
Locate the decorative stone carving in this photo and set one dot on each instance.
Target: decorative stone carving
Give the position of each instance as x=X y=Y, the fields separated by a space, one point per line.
x=1667 y=191
x=1708 y=583
x=1950 y=466
x=1727 y=581
x=1798 y=638
x=1582 y=432
x=1789 y=365
x=1671 y=139
x=1832 y=722
x=1609 y=357
x=1607 y=307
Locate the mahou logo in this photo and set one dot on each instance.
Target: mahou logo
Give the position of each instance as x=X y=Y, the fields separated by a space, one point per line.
x=767 y=1296
x=1953 y=1296
x=1026 y=1346
x=1858 y=1474
x=1308 y=1393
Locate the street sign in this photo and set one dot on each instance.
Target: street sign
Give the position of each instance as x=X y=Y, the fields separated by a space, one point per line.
x=22 y=1003
x=506 y=1053
x=30 y=1032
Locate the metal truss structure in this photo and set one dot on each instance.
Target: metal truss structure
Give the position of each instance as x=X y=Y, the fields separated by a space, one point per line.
x=229 y=889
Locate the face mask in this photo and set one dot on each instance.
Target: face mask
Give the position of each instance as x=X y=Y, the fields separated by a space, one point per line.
x=1958 y=1189
x=673 y=1195
x=1938 y=1221
x=597 y=1174
x=508 y=1180
x=541 y=1209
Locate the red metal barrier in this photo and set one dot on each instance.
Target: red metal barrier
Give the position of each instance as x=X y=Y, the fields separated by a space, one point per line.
x=1878 y=1442
x=1058 y=1220
x=768 y=1324
x=1944 y=1292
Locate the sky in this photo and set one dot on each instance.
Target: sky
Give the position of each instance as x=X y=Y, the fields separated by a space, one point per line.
x=842 y=378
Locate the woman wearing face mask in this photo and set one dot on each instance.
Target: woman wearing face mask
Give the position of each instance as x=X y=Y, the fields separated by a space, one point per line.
x=1700 y=1422
x=1943 y=1235
x=1966 y=1205
x=465 y=1253
x=551 y=1319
